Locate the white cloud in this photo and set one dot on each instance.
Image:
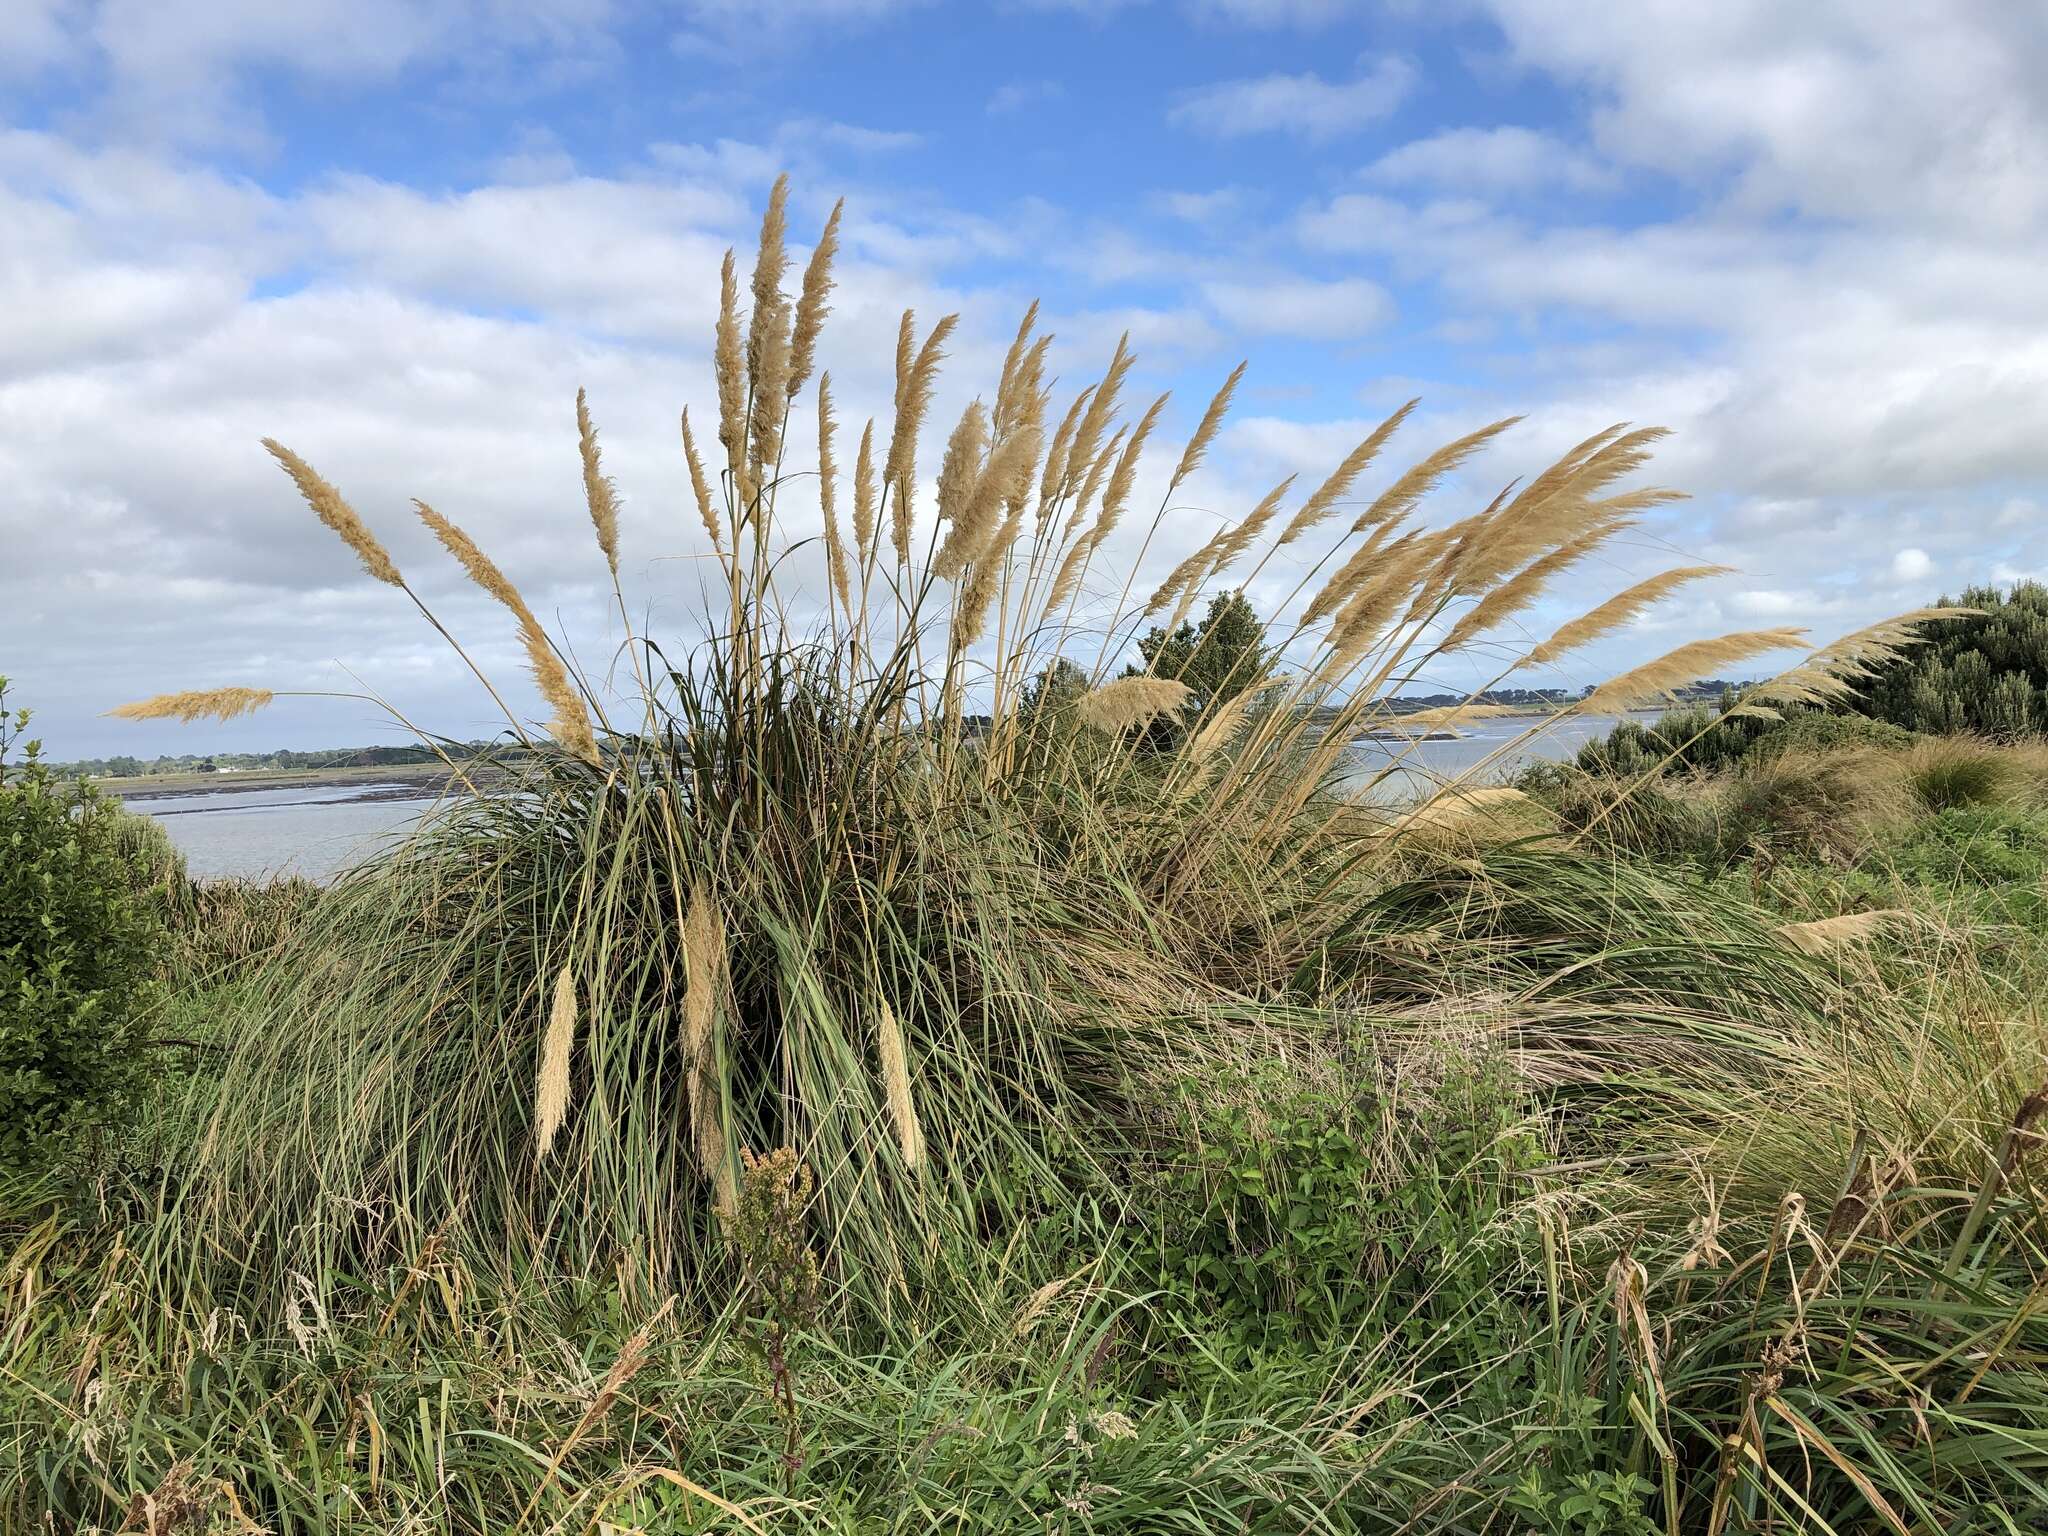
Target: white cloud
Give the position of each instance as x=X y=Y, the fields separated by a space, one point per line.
x=1017 y=95
x=1301 y=307
x=1910 y=565
x=1501 y=161
x=1306 y=104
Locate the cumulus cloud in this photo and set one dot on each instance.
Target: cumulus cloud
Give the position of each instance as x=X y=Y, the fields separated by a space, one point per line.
x=1911 y=565
x=1301 y=307
x=1504 y=161
x=1305 y=105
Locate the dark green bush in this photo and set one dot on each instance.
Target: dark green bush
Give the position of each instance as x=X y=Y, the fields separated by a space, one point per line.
x=1986 y=672
x=79 y=946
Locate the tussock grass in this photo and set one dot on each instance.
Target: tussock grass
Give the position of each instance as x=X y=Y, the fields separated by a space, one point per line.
x=1199 y=1142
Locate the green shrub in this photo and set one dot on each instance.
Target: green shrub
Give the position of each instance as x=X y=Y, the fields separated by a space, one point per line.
x=78 y=949
x=1985 y=672
x=1816 y=730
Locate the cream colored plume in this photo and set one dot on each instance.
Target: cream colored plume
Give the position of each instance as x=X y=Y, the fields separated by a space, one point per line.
x=701 y=487
x=551 y=1088
x=896 y=1082
x=1450 y=714
x=811 y=304
x=196 y=704
x=1832 y=672
x=1131 y=701
x=571 y=724
x=828 y=499
x=337 y=514
x=1456 y=807
x=1205 y=432
x=1618 y=610
x=1324 y=499
x=598 y=492
x=1700 y=658
x=704 y=956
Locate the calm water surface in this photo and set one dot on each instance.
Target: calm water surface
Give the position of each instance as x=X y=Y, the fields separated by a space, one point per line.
x=312 y=830
x=318 y=830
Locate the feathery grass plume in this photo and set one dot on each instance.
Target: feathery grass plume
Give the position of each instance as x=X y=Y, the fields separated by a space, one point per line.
x=1620 y=609
x=828 y=497
x=906 y=351
x=1189 y=570
x=700 y=487
x=771 y=261
x=1092 y=481
x=729 y=364
x=1377 y=598
x=973 y=537
x=812 y=304
x=1116 y=707
x=914 y=399
x=1118 y=495
x=1223 y=722
x=1096 y=418
x=1831 y=933
x=196 y=704
x=1356 y=569
x=1324 y=499
x=1831 y=673
x=1233 y=542
x=1688 y=663
x=551 y=1086
x=571 y=725
x=896 y=1080
x=864 y=495
x=1054 y=474
x=704 y=959
x=1013 y=384
x=1205 y=432
x=771 y=396
x=597 y=487
x=1521 y=590
x=337 y=514
x=1406 y=492
x=978 y=593
x=960 y=467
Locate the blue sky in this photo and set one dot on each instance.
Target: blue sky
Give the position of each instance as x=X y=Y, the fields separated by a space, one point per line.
x=400 y=235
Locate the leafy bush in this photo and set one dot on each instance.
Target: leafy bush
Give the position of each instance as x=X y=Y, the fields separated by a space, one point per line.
x=78 y=949
x=1985 y=672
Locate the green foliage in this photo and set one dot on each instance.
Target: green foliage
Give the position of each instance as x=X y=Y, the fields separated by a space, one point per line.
x=1985 y=673
x=1219 y=658
x=78 y=949
x=1311 y=1208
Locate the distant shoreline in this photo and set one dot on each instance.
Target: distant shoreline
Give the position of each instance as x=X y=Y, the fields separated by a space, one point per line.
x=406 y=782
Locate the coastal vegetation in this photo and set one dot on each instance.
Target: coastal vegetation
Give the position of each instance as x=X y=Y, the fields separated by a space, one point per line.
x=961 y=1066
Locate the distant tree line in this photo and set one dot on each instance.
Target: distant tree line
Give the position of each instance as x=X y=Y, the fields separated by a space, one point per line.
x=127 y=766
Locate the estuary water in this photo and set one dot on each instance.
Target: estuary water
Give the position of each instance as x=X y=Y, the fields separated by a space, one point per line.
x=317 y=830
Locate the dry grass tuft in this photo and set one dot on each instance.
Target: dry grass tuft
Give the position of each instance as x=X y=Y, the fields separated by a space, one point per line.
x=196 y=704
